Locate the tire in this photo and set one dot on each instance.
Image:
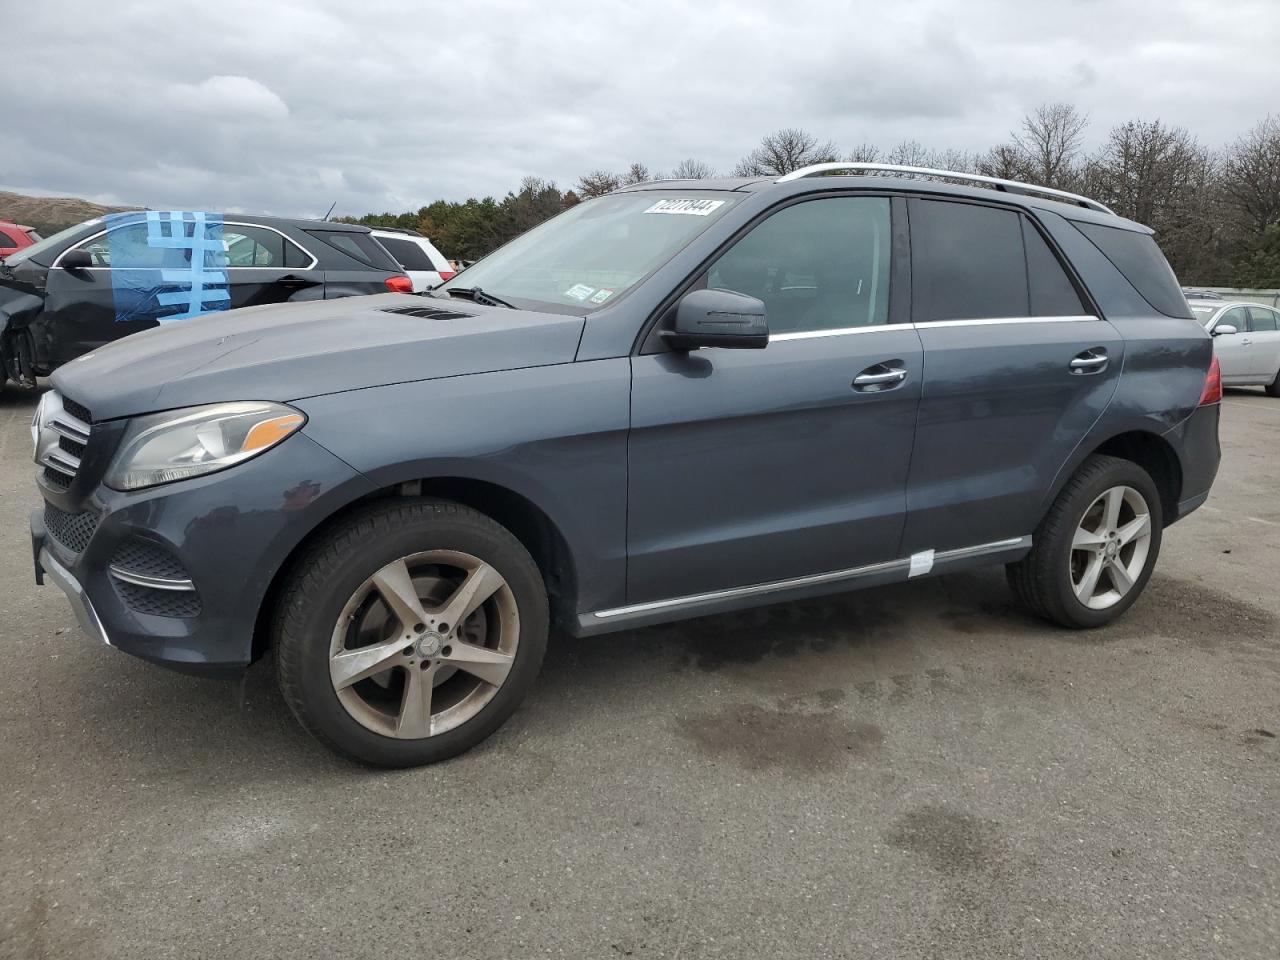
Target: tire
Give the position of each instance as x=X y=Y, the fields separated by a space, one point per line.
x=1273 y=388
x=1049 y=580
x=345 y=611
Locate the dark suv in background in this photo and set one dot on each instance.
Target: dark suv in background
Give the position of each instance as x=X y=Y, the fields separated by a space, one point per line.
x=106 y=279
x=678 y=399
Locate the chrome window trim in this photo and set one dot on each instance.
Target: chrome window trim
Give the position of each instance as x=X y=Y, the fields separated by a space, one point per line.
x=838 y=331
x=834 y=576
x=57 y=264
x=994 y=321
x=155 y=583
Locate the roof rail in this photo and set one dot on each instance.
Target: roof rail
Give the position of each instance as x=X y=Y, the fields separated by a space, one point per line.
x=1008 y=186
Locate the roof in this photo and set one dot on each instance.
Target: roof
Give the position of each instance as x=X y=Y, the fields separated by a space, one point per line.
x=136 y=216
x=930 y=182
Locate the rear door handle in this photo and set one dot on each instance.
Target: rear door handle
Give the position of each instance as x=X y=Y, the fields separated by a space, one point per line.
x=882 y=376
x=1090 y=361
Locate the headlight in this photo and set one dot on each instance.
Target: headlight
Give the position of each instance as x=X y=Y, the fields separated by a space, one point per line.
x=164 y=447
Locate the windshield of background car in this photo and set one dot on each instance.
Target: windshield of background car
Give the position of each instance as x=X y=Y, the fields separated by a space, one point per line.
x=591 y=254
x=48 y=243
x=1204 y=314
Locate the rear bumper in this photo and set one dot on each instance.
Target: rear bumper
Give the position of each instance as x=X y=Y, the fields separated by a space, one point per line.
x=1199 y=453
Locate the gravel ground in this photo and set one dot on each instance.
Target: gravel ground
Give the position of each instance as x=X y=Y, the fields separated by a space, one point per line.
x=914 y=771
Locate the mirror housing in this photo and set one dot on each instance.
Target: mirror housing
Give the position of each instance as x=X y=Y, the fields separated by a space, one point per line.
x=718 y=318
x=1225 y=329
x=76 y=260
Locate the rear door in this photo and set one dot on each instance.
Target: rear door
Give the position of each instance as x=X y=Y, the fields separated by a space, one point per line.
x=750 y=467
x=354 y=263
x=1017 y=369
x=1232 y=349
x=265 y=266
x=1264 y=352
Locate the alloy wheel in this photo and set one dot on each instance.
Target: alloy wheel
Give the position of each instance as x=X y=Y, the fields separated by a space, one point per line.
x=1110 y=547
x=424 y=644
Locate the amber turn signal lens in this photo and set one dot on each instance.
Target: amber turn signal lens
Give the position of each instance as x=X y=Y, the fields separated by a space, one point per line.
x=271 y=431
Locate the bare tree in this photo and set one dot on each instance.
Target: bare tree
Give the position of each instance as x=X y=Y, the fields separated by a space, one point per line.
x=910 y=153
x=597 y=183
x=783 y=151
x=1050 y=142
x=1146 y=171
x=636 y=173
x=1251 y=179
x=691 y=169
x=865 y=153
x=1005 y=161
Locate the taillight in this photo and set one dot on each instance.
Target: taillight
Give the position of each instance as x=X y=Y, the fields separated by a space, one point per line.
x=399 y=284
x=446 y=275
x=1212 y=392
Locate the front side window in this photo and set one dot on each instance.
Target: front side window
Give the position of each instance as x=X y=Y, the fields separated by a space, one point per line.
x=590 y=255
x=127 y=247
x=1261 y=319
x=817 y=265
x=1235 y=317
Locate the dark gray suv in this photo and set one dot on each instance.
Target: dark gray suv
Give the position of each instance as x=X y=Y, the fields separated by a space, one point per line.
x=675 y=400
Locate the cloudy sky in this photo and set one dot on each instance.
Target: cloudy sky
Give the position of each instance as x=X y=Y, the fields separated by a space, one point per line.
x=286 y=106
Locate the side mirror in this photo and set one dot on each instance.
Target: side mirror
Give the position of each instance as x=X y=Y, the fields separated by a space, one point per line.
x=1224 y=329
x=76 y=260
x=718 y=318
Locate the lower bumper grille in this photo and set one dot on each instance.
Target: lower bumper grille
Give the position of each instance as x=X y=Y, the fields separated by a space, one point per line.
x=71 y=530
x=159 y=603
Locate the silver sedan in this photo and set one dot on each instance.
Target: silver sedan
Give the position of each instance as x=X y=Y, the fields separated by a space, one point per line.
x=1246 y=341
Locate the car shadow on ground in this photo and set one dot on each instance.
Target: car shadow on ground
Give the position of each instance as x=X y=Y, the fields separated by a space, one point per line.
x=154 y=724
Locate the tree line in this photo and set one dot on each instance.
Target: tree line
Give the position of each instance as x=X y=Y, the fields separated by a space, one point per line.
x=1216 y=211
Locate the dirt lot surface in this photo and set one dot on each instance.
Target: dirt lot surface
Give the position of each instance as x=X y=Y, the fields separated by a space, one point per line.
x=915 y=771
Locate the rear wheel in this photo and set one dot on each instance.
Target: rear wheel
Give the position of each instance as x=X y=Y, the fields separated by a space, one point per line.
x=1273 y=388
x=410 y=633
x=1095 y=549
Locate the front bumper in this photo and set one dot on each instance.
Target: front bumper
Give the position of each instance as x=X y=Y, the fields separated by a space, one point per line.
x=231 y=531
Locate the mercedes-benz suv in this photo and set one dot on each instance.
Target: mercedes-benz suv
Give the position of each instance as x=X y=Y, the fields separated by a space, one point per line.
x=678 y=399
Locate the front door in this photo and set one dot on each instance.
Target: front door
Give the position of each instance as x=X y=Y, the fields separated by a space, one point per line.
x=750 y=467
x=1017 y=370
x=1232 y=349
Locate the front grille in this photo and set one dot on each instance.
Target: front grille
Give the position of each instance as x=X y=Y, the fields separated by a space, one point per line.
x=159 y=603
x=149 y=560
x=77 y=410
x=67 y=423
x=72 y=530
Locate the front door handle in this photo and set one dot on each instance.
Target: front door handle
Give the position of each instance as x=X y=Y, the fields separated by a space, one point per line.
x=882 y=376
x=1246 y=341
x=1090 y=361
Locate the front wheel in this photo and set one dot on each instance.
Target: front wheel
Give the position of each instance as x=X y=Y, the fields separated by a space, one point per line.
x=1095 y=549
x=410 y=632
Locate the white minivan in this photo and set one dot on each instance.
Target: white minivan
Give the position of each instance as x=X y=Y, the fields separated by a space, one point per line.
x=424 y=264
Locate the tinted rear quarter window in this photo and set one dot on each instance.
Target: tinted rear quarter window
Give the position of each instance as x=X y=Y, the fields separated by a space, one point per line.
x=410 y=255
x=1137 y=257
x=6 y=242
x=1052 y=293
x=361 y=247
x=967 y=261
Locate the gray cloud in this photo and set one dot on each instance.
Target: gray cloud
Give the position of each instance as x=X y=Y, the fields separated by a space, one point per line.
x=286 y=107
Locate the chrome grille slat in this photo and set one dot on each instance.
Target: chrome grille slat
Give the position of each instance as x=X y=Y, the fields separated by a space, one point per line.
x=62 y=435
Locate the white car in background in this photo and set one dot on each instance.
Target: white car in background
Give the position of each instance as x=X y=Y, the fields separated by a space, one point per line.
x=1246 y=341
x=424 y=264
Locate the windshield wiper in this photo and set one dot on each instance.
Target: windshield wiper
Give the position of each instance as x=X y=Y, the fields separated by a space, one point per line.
x=476 y=295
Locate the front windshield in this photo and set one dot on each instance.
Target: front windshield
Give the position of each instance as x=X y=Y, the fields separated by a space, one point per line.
x=48 y=243
x=594 y=252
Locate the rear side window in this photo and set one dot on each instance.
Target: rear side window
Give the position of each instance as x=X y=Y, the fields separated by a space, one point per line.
x=253 y=246
x=967 y=262
x=359 y=246
x=410 y=255
x=1260 y=319
x=1052 y=293
x=7 y=242
x=1137 y=257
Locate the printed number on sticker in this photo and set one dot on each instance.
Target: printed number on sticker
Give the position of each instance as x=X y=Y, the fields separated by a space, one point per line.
x=696 y=208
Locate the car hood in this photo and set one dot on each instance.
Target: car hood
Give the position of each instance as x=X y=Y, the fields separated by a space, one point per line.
x=290 y=351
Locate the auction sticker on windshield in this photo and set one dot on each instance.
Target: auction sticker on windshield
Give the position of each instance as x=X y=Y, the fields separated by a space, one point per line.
x=579 y=291
x=696 y=208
